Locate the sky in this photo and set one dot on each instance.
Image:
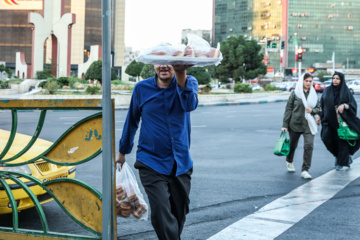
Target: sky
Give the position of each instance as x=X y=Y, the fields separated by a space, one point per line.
x=150 y=22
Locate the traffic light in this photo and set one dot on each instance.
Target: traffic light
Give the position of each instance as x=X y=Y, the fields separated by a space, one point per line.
x=282 y=45
x=300 y=52
x=268 y=43
x=274 y=45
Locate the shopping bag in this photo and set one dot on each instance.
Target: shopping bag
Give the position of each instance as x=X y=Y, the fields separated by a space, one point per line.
x=129 y=199
x=282 y=147
x=345 y=133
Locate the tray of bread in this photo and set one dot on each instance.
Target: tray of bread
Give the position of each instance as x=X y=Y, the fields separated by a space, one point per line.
x=198 y=53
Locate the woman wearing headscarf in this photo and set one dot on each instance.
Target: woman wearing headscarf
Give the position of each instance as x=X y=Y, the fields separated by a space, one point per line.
x=299 y=120
x=338 y=102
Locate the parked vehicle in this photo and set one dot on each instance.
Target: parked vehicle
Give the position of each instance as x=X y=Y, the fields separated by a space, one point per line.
x=256 y=87
x=354 y=86
x=290 y=86
x=279 y=86
x=39 y=169
x=319 y=86
x=327 y=83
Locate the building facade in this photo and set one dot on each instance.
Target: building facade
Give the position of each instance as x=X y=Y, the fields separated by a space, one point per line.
x=16 y=31
x=321 y=28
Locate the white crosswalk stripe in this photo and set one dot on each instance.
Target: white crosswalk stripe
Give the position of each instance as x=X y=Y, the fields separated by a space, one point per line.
x=278 y=216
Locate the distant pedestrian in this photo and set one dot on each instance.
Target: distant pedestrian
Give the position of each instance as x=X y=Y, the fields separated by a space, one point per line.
x=338 y=102
x=299 y=120
x=163 y=103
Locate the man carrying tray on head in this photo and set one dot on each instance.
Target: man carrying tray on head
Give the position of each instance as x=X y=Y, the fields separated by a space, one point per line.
x=163 y=103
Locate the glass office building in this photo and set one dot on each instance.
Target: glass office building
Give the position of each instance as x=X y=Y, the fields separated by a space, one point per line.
x=324 y=27
x=320 y=27
x=16 y=33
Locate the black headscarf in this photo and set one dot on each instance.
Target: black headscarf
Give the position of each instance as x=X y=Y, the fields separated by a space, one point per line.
x=335 y=96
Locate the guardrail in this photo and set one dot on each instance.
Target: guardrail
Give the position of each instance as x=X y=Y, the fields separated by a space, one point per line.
x=81 y=143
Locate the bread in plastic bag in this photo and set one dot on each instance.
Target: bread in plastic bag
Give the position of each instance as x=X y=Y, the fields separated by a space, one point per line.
x=197 y=52
x=129 y=199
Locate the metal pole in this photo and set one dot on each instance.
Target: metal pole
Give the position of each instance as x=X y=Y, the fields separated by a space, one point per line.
x=299 y=71
x=107 y=127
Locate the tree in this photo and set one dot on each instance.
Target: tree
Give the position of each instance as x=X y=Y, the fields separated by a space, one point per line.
x=134 y=69
x=200 y=74
x=147 y=71
x=241 y=59
x=94 y=72
x=321 y=75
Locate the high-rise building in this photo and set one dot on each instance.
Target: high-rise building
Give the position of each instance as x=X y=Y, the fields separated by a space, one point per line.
x=205 y=34
x=321 y=28
x=16 y=31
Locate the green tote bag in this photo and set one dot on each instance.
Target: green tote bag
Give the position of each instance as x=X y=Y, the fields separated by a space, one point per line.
x=345 y=133
x=282 y=147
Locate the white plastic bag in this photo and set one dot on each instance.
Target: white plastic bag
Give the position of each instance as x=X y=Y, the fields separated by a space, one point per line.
x=198 y=52
x=129 y=199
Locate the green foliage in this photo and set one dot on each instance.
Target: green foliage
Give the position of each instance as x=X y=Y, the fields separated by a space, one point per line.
x=7 y=70
x=147 y=71
x=92 y=90
x=114 y=75
x=269 y=87
x=43 y=74
x=321 y=75
x=43 y=84
x=4 y=85
x=95 y=71
x=200 y=74
x=242 y=88
x=116 y=82
x=64 y=81
x=241 y=59
x=134 y=69
x=51 y=87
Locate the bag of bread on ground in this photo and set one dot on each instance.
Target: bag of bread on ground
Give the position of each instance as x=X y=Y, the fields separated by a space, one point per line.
x=129 y=199
x=197 y=52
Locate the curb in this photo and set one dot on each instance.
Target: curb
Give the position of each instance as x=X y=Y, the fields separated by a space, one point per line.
x=225 y=103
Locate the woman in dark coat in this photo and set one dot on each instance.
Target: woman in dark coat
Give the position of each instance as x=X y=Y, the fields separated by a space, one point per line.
x=337 y=102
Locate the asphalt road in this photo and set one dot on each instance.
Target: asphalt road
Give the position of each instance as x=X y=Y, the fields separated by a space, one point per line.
x=235 y=174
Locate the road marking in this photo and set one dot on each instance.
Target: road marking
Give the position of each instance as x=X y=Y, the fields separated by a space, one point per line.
x=118 y=129
x=119 y=121
x=62 y=118
x=199 y=126
x=278 y=216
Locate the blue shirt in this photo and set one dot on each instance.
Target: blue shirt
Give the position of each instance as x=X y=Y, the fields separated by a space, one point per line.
x=165 y=124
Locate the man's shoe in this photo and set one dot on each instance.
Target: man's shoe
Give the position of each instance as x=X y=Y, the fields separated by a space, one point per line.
x=305 y=175
x=290 y=167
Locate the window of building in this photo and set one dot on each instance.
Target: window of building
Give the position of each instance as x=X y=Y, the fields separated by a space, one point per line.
x=294 y=14
x=299 y=26
x=350 y=28
x=349 y=15
x=332 y=5
x=303 y=38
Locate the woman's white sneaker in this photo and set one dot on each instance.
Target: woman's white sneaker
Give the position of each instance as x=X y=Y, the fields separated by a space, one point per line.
x=290 y=167
x=305 y=175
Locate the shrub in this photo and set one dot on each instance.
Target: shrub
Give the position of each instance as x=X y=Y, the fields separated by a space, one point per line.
x=51 y=87
x=42 y=84
x=269 y=87
x=43 y=74
x=92 y=90
x=4 y=84
x=116 y=82
x=242 y=88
